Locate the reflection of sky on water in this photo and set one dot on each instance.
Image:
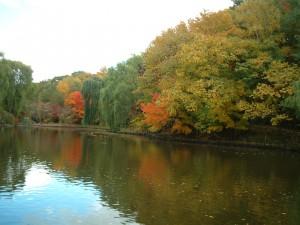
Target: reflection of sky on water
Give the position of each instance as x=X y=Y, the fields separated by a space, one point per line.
x=65 y=177
x=36 y=177
x=49 y=198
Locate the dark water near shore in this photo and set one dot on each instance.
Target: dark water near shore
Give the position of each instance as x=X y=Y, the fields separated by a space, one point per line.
x=68 y=177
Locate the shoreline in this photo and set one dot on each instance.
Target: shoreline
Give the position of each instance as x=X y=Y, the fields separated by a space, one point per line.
x=235 y=139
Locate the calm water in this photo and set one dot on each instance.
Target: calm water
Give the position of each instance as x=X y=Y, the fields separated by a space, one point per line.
x=68 y=177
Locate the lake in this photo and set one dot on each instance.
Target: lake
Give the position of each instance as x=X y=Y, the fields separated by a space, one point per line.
x=60 y=177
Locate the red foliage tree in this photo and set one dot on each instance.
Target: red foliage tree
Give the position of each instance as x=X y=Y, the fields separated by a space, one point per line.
x=155 y=114
x=75 y=101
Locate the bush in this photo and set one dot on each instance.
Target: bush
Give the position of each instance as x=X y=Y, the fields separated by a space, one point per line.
x=26 y=121
x=6 y=118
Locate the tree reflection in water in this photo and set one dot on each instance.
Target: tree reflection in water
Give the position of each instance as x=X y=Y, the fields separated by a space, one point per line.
x=150 y=182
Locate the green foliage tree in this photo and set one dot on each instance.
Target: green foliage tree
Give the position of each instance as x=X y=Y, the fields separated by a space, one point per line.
x=117 y=96
x=16 y=79
x=290 y=27
x=237 y=2
x=275 y=86
x=46 y=102
x=293 y=102
x=91 y=94
x=4 y=81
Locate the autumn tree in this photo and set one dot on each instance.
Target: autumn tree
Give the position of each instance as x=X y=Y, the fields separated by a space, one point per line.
x=73 y=82
x=160 y=60
x=155 y=113
x=221 y=70
x=46 y=101
x=276 y=85
x=220 y=23
x=259 y=19
x=75 y=101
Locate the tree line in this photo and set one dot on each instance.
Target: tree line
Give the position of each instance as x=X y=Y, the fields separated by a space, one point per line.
x=222 y=70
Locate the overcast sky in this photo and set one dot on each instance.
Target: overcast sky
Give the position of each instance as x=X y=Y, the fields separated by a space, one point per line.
x=58 y=37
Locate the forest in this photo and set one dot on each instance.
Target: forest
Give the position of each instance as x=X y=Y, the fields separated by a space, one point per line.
x=222 y=70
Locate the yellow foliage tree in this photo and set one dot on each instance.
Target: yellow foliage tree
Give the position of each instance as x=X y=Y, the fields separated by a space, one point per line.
x=275 y=86
x=217 y=23
x=63 y=87
x=259 y=19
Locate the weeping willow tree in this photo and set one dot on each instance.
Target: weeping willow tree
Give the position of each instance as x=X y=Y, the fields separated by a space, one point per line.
x=117 y=96
x=4 y=82
x=15 y=85
x=91 y=94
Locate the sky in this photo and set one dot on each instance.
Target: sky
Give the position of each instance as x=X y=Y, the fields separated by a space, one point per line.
x=58 y=37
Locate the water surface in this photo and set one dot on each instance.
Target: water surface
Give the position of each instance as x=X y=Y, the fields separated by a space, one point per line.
x=70 y=177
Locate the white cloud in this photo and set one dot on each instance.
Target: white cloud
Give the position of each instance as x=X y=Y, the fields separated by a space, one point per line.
x=14 y=4
x=58 y=37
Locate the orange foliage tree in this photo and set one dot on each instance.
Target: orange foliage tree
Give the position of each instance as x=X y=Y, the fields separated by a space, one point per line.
x=75 y=101
x=155 y=113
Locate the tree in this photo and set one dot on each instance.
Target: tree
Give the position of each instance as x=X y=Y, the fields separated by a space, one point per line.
x=91 y=94
x=75 y=101
x=275 y=86
x=63 y=87
x=160 y=60
x=46 y=91
x=117 y=95
x=15 y=81
x=237 y=2
x=290 y=26
x=293 y=102
x=156 y=115
x=208 y=84
x=72 y=83
x=216 y=23
x=259 y=19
